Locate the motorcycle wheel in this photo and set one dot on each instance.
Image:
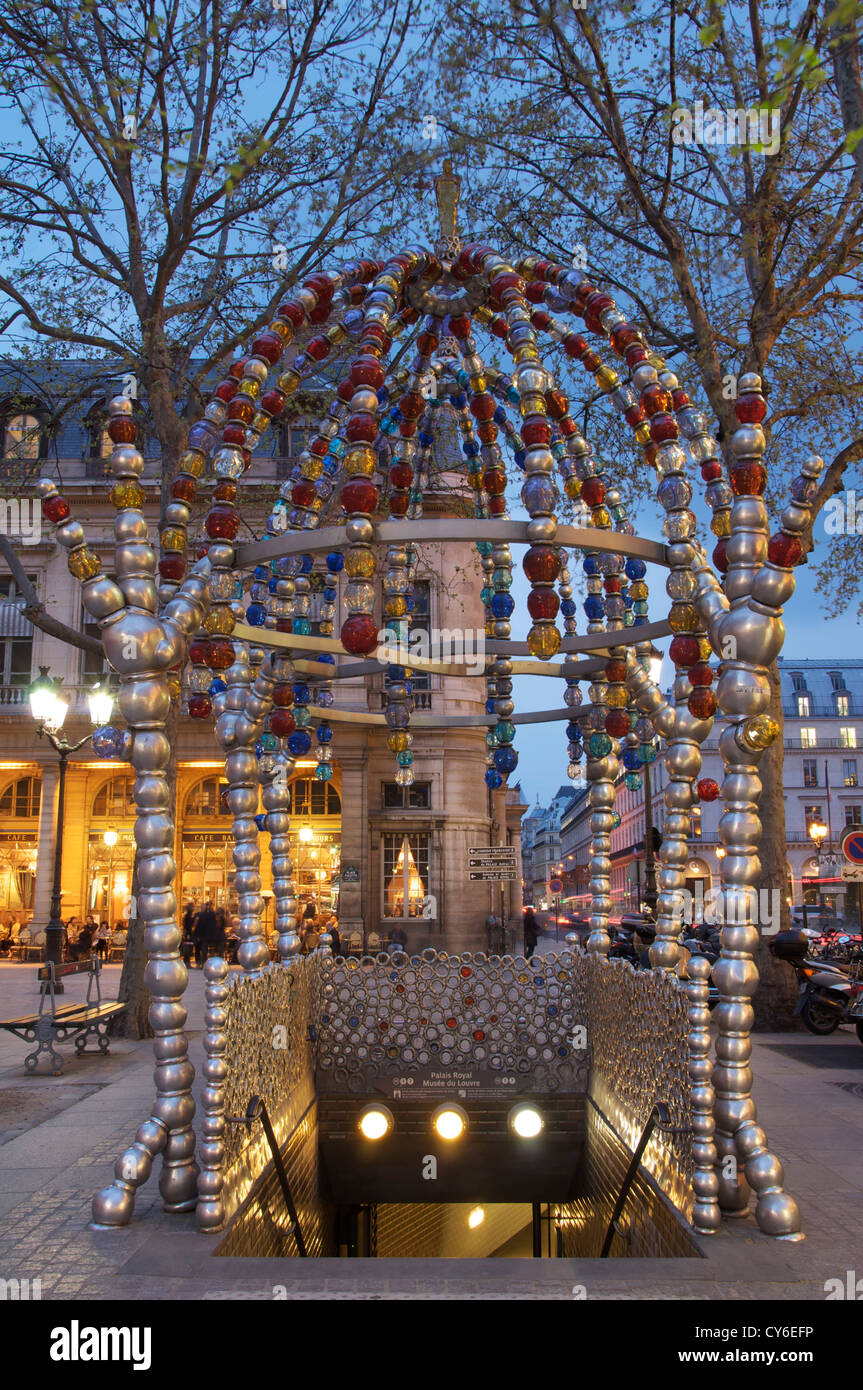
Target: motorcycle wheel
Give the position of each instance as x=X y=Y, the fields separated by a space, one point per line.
x=819 y=1019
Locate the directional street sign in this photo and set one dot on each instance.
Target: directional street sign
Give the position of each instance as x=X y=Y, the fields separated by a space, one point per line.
x=852 y=844
x=493 y=875
x=493 y=851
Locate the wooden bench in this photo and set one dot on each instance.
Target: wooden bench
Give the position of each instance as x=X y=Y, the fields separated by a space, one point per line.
x=59 y=1022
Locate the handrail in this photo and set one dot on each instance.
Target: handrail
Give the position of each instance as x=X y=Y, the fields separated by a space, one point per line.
x=257 y=1110
x=657 y=1119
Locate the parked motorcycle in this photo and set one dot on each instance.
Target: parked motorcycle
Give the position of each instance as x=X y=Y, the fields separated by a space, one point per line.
x=828 y=996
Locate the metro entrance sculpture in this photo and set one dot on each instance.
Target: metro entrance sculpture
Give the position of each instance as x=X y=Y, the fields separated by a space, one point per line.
x=233 y=624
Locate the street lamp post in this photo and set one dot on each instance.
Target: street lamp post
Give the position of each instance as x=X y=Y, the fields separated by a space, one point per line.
x=817 y=831
x=49 y=708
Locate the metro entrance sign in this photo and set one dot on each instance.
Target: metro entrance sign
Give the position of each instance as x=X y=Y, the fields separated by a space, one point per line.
x=492 y=863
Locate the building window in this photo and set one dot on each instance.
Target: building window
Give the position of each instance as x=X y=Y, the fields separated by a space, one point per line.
x=16 y=641
x=695 y=820
x=207 y=799
x=849 y=772
x=803 y=707
x=813 y=814
x=23 y=437
x=16 y=655
x=842 y=706
x=21 y=798
x=294 y=438
x=837 y=680
x=421 y=618
x=797 y=681
x=848 y=736
x=309 y=797
x=810 y=772
x=852 y=815
x=808 y=738
x=406 y=874
x=115 y=798
x=417 y=796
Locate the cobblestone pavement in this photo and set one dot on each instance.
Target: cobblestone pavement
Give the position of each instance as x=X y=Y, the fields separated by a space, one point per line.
x=809 y=1092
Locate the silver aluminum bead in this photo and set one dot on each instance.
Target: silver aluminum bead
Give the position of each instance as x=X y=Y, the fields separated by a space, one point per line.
x=70 y=534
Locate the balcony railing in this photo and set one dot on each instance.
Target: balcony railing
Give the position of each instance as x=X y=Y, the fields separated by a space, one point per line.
x=820 y=709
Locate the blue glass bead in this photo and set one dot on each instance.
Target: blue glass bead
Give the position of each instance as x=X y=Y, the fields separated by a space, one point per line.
x=405 y=758
x=256 y=614
x=299 y=743
x=633 y=781
x=261 y=573
x=591 y=565
x=462 y=377
x=470 y=448
x=302 y=627
x=335 y=562
x=502 y=605
x=458 y=400
x=640 y=621
x=271 y=584
x=573 y=732
x=324 y=772
x=327 y=659
x=599 y=745
x=261 y=820
x=325 y=733
x=484 y=547
x=505 y=731
x=493 y=779
x=395 y=673
x=301 y=694
x=593 y=607
x=499 y=415
x=506 y=759
x=426 y=440
x=631 y=760
x=636 y=569
x=567 y=607
x=491 y=706
x=520 y=455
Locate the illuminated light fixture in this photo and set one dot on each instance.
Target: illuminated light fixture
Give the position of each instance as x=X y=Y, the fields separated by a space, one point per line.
x=101 y=703
x=475 y=1218
x=526 y=1121
x=110 y=837
x=376 y=1121
x=449 y=1121
x=306 y=834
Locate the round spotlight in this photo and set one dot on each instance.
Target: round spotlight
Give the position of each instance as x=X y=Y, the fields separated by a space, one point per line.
x=526 y=1121
x=375 y=1122
x=449 y=1121
x=475 y=1218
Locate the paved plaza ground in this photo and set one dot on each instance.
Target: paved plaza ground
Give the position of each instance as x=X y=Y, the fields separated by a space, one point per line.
x=59 y=1137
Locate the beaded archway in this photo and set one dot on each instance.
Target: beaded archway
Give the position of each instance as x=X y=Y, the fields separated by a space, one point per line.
x=236 y=623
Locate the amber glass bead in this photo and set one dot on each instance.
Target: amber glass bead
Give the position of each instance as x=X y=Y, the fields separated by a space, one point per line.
x=572 y=487
x=615 y=670
x=601 y=517
x=173 y=538
x=543 y=641
x=398 y=742
x=359 y=564
x=283 y=696
x=184 y=489
x=289 y=382
x=682 y=617
x=220 y=621
x=617 y=696
x=760 y=731
x=83 y=563
x=749 y=479
x=122 y=430
x=395 y=607
x=129 y=494
x=242 y=410
x=638 y=590
x=606 y=378
x=702 y=703
x=225 y=490
x=720 y=523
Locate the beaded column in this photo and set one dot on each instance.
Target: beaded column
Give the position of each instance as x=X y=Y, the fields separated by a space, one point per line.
x=706 y=1216
x=211 y=1208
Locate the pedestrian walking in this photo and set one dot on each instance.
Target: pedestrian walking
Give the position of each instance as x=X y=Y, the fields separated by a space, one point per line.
x=101 y=939
x=531 y=933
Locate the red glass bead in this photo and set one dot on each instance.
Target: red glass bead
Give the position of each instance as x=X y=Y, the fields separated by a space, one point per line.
x=482 y=407
x=784 y=550
x=407 y=428
x=535 y=292
x=359 y=495
x=401 y=475
x=504 y=280
x=702 y=703
x=708 y=788
x=247 y=459
x=241 y=409
x=748 y=479
x=412 y=405
x=226 y=390
x=362 y=429
x=720 y=556
x=662 y=428
x=345 y=389
x=499 y=327
x=700 y=674
x=222 y=524
x=574 y=345
x=684 y=650
x=399 y=502
x=615 y=670
x=293 y=312
x=284 y=625
x=172 y=567
x=319 y=446
x=269 y=346
x=497 y=504
x=711 y=470
x=122 y=430
x=634 y=354
x=536 y=430
x=479 y=1035
x=612 y=584
x=655 y=399
x=426 y=343
x=225 y=490
x=303 y=494
x=541 y=564
x=359 y=634
x=199 y=650
x=321 y=311
x=233 y=434
x=273 y=402
x=460 y=326
x=540 y=318
x=567 y=426
x=184 y=489
x=282 y=723
x=634 y=416
x=593 y=492
x=650 y=453
x=494 y=480
x=367 y=371
x=591 y=361
x=238 y=369
x=750 y=410
x=486 y=431
x=283 y=696
x=542 y=604
x=557 y=404
x=56 y=509
x=622 y=335
x=221 y=653
x=617 y=723
x=200 y=706
x=319 y=348
x=679 y=398
x=594 y=305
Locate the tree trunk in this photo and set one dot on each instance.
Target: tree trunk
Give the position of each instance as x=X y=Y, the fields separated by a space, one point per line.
x=776 y=995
